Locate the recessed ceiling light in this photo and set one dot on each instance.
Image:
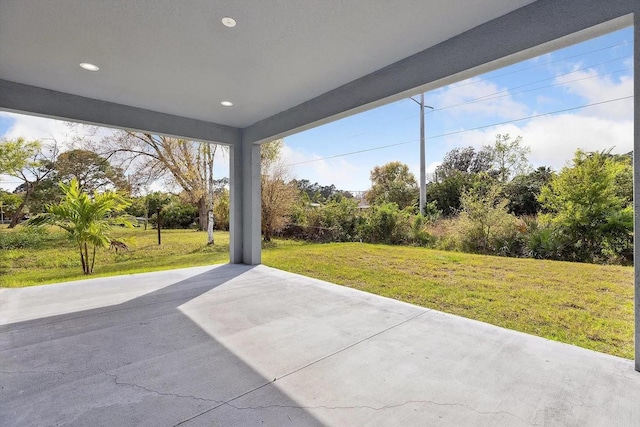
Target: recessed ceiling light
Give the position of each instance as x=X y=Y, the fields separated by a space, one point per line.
x=89 y=67
x=227 y=103
x=229 y=22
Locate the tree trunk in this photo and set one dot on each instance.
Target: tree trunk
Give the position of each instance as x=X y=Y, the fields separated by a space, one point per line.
x=210 y=153
x=93 y=259
x=17 y=214
x=266 y=228
x=84 y=268
x=210 y=227
x=86 y=256
x=202 y=213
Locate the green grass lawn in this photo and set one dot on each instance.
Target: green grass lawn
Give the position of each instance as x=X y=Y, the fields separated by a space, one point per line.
x=582 y=304
x=58 y=260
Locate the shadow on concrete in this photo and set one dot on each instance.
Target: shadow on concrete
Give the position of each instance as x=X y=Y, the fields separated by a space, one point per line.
x=142 y=362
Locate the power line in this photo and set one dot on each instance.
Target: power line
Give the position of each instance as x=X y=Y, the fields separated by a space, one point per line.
x=551 y=62
x=534 y=116
x=539 y=81
x=507 y=92
x=484 y=97
x=381 y=147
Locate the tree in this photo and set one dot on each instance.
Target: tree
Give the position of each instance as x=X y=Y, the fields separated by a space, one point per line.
x=86 y=219
x=509 y=157
x=523 y=191
x=317 y=193
x=45 y=192
x=221 y=209
x=155 y=204
x=183 y=163
x=485 y=225
x=585 y=205
x=393 y=183
x=28 y=161
x=464 y=160
x=178 y=214
x=447 y=193
x=148 y=205
x=9 y=203
x=92 y=171
x=278 y=195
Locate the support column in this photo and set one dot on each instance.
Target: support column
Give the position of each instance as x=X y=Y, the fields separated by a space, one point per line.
x=636 y=181
x=235 y=204
x=245 y=205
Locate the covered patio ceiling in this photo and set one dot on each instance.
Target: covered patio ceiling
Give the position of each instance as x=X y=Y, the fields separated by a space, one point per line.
x=166 y=66
x=179 y=58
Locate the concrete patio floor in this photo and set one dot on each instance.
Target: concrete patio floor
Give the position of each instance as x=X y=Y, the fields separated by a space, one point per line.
x=235 y=345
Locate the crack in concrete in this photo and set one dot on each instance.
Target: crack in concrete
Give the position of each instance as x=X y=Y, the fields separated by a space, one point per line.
x=141 y=387
x=381 y=408
x=307 y=365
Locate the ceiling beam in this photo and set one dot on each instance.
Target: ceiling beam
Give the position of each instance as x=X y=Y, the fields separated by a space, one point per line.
x=21 y=98
x=532 y=30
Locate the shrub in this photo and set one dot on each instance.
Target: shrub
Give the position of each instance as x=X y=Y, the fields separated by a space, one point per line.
x=543 y=241
x=221 y=210
x=335 y=221
x=617 y=246
x=420 y=231
x=178 y=215
x=23 y=238
x=590 y=203
x=485 y=226
x=386 y=223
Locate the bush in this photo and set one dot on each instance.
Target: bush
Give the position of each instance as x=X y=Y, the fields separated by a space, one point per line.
x=543 y=242
x=386 y=223
x=335 y=221
x=221 y=210
x=590 y=203
x=617 y=246
x=420 y=234
x=178 y=215
x=447 y=194
x=23 y=238
x=485 y=226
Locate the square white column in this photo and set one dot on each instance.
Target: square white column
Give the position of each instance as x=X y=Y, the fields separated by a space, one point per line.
x=245 y=204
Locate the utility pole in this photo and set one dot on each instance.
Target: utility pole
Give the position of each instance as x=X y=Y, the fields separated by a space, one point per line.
x=423 y=155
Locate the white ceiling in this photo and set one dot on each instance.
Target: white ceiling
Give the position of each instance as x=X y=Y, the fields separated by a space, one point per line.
x=176 y=57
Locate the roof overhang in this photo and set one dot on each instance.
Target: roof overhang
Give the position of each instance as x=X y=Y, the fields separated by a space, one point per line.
x=287 y=66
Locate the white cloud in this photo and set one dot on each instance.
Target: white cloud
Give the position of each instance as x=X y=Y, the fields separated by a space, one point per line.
x=554 y=139
x=498 y=102
x=337 y=171
x=50 y=130
x=32 y=127
x=593 y=88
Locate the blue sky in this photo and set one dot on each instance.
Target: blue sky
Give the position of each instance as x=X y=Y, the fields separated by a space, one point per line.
x=592 y=72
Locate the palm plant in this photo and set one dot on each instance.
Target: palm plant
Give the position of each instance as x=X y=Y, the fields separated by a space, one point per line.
x=86 y=219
